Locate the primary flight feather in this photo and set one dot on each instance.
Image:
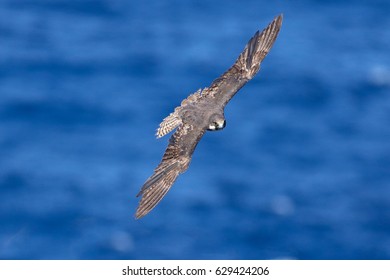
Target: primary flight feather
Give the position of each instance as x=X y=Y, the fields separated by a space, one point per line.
x=202 y=111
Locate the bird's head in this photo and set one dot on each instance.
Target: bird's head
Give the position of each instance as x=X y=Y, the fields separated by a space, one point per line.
x=216 y=122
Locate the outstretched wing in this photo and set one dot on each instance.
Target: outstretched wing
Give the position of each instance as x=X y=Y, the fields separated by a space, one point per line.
x=246 y=65
x=176 y=160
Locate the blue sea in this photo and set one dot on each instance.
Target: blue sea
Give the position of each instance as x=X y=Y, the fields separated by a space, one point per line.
x=301 y=171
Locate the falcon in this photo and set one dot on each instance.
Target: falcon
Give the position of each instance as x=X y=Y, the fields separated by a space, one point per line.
x=200 y=112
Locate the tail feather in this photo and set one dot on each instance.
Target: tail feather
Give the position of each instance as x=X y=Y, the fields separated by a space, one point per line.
x=168 y=124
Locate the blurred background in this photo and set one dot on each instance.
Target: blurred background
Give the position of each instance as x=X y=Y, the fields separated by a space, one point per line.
x=302 y=170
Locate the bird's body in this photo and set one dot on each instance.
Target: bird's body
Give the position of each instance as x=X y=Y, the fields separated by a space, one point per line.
x=202 y=111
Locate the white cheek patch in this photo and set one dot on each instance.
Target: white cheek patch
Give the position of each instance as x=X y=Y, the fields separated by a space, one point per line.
x=221 y=125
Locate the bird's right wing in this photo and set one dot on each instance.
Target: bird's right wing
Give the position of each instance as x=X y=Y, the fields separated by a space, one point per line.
x=176 y=160
x=246 y=65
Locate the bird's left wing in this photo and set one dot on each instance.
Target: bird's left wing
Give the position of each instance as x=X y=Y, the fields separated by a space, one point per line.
x=246 y=65
x=176 y=160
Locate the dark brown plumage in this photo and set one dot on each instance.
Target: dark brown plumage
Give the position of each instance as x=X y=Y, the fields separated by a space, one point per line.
x=201 y=111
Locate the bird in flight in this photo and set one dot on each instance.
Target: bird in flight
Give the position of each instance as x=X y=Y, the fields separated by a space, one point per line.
x=202 y=111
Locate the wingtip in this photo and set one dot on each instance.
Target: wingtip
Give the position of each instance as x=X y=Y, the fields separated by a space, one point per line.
x=156 y=187
x=140 y=213
x=278 y=20
x=138 y=216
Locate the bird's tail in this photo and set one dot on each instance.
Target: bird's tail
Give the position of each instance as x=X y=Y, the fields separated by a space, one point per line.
x=258 y=47
x=156 y=187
